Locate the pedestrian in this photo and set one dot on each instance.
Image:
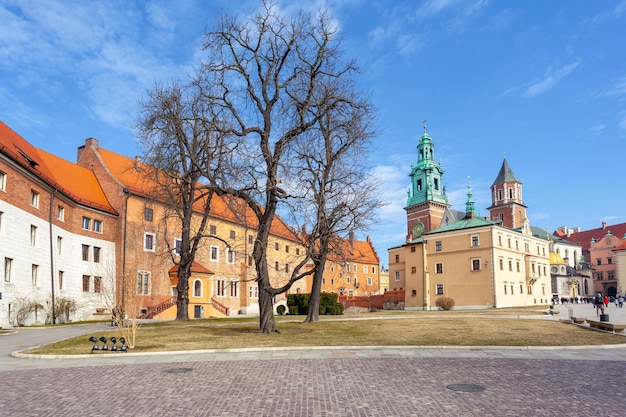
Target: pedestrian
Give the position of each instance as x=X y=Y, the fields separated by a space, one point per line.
x=599 y=303
x=620 y=301
x=606 y=301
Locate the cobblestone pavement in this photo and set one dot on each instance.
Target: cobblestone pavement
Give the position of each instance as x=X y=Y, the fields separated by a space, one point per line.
x=352 y=381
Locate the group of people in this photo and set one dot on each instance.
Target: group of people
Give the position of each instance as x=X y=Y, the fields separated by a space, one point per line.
x=601 y=302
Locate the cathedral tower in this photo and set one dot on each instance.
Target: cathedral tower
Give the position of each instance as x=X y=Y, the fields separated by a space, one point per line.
x=506 y=199
x=426 y=200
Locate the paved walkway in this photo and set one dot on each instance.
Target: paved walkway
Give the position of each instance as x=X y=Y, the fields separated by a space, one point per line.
x=349 y=381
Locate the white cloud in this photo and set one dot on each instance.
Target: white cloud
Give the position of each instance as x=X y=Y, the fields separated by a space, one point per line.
x=551 y=79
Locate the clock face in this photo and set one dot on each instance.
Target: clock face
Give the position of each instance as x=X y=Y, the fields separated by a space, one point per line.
x=554 y=269
x=418 y=229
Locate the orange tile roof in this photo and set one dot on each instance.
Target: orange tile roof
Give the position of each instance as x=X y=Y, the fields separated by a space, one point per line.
x=195 y=267
x=76 y=182
x=355 y=251
x=584 y=237
x=130 y=172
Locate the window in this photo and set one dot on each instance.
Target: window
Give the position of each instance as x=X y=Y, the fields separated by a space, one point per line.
x=276 y=246
x=1 y=223
x=397 y=276
x=254 y=291
x=439 y=268
x=8 y=267
x=249 y=239
x=347 y=267
x=438 y=245
x=610 y=275
x=599 y=261
x=397 y=258
x=348 y=279
x=34 y=274
x=365 y=269
x=97 y=284
x=147 y=214
x=510 y=265
x=475 y=264
x=369 y=281
x=96 y=254
x=85 y=252
x=97 y=226
x=221 y=287
x=412 y=249
x=214 y=253
x=212 y=230
x=197 y=288
x=276 y=265
x=59 y=245
x=297 y=251
x=609 y=261
x=86 y=279
x=60 y=279
x=373 y=270
x=599 y=276
x=178 y=246
x=234 y=288
x=60 y=213
x=516 y=245
x=439 y=289
x=148 y=242
x=501 y=261
x=474 y=240
x=34 y=198
x=3 y=181
x=521 y=289
x=517 y=264
x=86 y=223
x=287 y=268
x=505 y=290
x=499 y=240
x=509 y=242
x=33 y=235
x=286 y=248
x=232 y=234
x=143 y=282
x=230 y=256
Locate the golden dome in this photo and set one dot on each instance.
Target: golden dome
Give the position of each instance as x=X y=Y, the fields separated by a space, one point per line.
x=556 y=259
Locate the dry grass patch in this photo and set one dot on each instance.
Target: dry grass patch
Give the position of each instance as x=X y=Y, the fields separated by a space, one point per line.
x=432 y=331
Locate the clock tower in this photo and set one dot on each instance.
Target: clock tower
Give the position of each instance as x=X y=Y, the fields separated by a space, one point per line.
x=426 y=198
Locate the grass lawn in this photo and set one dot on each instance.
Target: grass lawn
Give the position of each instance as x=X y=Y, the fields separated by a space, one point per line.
x=367 y=329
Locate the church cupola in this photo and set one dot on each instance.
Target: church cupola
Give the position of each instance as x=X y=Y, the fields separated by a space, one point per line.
x=426 y=196
x=469 y=204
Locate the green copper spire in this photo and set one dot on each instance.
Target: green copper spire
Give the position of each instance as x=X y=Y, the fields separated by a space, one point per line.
x=426 y=174
x=469 y=204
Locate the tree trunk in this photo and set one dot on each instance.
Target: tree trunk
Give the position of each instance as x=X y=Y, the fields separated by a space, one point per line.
x=182 y=301
x=266 y=311
x=313 y=315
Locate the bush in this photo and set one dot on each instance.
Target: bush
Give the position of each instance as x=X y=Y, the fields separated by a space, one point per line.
x=328 y=304
x=281 y=309
x=293 y=310
x=445 y=303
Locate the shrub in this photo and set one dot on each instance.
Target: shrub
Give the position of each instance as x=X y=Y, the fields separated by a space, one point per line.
x=293 y=310
x=281 y=309
x=445 y=303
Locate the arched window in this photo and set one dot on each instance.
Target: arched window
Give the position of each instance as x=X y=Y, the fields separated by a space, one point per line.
x=197 y=288
x=510 y=193
x=500 y=194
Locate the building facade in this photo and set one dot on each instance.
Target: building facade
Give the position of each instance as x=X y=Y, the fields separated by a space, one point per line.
x=477 y=262
x=57 y=237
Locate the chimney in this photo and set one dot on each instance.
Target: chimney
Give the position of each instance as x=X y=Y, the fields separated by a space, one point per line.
x=137 y=160
x=603 y=225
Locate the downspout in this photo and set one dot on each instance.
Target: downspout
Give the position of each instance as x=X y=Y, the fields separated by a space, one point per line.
x=493 y=269
x=426 y=279
x=125 y=191
x=50 y=216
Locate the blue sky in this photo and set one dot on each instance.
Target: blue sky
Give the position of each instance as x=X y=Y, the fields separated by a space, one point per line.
x=542 y=82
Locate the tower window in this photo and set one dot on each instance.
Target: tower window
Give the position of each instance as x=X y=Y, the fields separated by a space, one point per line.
x=510 y=193
x=436 y=183
x=419 y=185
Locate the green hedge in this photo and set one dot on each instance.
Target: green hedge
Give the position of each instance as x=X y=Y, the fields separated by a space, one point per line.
x=299 y=304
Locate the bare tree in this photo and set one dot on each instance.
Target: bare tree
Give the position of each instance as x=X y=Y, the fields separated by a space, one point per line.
x=267 y=80
x=340 y=196
x=181 y=148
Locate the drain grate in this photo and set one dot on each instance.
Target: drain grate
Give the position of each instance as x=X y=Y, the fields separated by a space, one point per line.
x=465 y=387
x=178 y=370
